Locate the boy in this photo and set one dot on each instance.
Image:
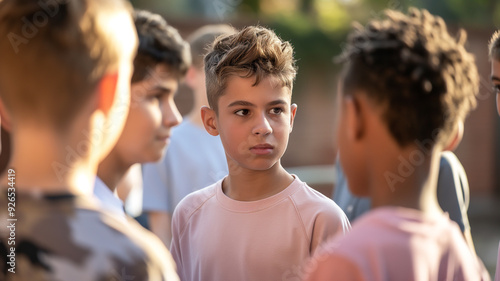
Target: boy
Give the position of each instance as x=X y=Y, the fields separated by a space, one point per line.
x=162 y=59
x=405 y=90
x=494 y=55
x=65 y=84
x=259 y=222
x=195 y=159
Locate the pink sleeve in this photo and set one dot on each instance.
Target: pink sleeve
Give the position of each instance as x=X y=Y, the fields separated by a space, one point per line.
x=328 y=267
x=328 y=223
x=175 y=244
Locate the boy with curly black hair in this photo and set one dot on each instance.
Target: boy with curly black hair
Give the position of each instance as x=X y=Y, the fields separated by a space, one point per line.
x=406 y=88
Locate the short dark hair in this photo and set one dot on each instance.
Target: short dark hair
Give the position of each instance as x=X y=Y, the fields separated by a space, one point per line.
x=255 y=51
x=423 y=78
x=159 y=42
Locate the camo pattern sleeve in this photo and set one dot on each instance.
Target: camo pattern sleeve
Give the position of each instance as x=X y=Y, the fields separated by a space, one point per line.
x=66 y=237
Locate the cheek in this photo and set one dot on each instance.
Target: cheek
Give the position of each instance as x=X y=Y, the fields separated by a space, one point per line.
x=146 y=118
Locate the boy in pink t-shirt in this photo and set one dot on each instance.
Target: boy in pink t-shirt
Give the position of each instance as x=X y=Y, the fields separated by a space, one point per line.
x=405 y=90
x=259 y=222
x=494 y=55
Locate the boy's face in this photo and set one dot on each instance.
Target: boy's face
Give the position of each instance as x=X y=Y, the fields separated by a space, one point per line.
x=152 y=115
x=495 y=78
x=254 y=122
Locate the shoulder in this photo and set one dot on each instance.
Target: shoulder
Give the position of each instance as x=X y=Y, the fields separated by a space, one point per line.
x=79 y=233
x=325 y=268
x=357 y=241
x=313 y=203
x=194 y=201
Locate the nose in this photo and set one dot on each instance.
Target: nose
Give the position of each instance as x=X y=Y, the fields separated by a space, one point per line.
x=262 y=126
x=171 y=115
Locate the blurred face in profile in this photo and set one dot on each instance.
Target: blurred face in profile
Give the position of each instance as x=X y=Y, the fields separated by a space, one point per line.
x=151 y=117
x=495 y=79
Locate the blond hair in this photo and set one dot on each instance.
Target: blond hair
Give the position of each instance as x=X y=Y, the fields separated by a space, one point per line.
x=56 y=54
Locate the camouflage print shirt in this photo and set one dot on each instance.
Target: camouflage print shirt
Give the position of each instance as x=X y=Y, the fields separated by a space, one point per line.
x=66 y=237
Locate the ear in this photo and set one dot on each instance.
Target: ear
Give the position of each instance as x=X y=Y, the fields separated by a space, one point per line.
x=107 y=91
x=456 y=137
x=293 y=110
x=353 y=114
x=5 y=121
x=209 y=119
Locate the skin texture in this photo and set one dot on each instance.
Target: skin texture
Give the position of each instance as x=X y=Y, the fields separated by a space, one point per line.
x=254 y=123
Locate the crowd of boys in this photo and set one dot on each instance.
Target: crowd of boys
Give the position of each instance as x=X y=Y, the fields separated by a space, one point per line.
x=87 y=90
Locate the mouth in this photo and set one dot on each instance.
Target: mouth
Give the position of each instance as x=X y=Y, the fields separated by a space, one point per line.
x=262 y=149
x=163 y=138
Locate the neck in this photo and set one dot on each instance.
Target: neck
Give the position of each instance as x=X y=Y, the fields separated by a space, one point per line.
x=251 y=185
x=112 y=169
x=48 y=162
x=405 y=182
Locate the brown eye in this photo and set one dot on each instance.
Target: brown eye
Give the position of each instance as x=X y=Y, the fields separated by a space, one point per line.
x=242 y=112
x=276 y=110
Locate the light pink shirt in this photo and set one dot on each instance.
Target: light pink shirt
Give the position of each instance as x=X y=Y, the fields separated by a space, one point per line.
x=398 y=244
x=218 y=238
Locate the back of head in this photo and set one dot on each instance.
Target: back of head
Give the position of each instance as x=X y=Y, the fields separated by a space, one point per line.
x=423 y=79
x=254 y=51
x=56 y=53
x=203 y=37
x=158 y=43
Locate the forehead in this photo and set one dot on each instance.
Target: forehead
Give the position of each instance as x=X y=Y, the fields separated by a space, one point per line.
x=161 y=74
x=269 y=88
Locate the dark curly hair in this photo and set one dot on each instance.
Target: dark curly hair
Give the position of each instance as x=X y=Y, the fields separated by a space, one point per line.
x=158 y=43
x=255 y=51
x=423 y=78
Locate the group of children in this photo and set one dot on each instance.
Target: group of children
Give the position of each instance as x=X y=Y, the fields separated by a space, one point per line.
x=93 y=86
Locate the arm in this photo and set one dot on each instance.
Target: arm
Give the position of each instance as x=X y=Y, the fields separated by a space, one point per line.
x=329 y=221
x=160 y=224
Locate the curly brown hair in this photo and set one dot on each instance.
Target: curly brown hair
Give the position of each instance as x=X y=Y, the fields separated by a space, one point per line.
x=159 y=42
x=255 y=51
x=423 y=78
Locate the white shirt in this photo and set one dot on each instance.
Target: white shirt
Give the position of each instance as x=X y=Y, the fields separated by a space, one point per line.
x=108 y=200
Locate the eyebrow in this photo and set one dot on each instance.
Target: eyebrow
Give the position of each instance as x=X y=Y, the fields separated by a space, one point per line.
x=161 y=88
x=494 y=78
x=246 y=103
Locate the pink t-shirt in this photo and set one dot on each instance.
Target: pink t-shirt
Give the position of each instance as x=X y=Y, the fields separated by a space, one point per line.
x=218 y=238
x=398 y=244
